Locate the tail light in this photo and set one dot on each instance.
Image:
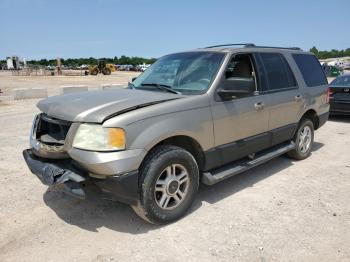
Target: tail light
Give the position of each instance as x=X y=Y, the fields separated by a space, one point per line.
x=329 y=94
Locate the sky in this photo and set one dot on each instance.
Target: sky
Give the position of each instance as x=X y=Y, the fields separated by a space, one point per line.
x=37 y=29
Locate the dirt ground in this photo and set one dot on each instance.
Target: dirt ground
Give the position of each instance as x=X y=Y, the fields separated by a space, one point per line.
x=283 y=210
x=9 y=82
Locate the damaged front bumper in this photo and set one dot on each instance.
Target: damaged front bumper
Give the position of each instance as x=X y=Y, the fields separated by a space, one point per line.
x=124 y=188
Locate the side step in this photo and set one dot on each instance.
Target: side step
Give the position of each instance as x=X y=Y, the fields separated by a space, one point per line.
x=213 y=177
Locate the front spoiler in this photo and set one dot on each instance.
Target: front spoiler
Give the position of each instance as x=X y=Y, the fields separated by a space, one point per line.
x=62 y=173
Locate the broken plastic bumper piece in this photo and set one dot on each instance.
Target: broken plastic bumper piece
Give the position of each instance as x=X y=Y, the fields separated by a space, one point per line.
x=52 y=174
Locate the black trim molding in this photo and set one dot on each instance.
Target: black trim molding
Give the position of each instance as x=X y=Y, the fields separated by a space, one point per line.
x=230 y=152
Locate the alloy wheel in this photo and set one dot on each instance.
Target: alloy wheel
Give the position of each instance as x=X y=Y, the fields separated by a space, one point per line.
x=305 y=138
x=171 y=186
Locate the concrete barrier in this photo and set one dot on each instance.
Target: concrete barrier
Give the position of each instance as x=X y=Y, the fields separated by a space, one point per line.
x=29 y=93
x=110 y=86
x=95 y=88
x=73 y=89
x=6 y=98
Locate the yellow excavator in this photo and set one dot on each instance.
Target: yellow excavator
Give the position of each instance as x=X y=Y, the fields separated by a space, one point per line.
x=102 y=67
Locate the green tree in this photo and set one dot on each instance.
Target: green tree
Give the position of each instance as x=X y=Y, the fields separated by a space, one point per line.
x=74 y=62
x=314 y=50
x=330 y=54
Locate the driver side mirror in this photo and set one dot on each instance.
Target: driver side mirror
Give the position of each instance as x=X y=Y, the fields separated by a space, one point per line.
x=133 y=79
x=236 y=87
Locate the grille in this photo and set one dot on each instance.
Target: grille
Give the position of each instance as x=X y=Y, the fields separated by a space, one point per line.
x=51 y=131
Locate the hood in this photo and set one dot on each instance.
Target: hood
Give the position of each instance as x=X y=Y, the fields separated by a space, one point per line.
x=96 y=106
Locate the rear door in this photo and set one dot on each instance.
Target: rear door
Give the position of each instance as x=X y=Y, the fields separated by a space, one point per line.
x=286 y=100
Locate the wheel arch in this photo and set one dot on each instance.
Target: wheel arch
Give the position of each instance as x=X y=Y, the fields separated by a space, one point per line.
x=313 y=116
x=185 y=142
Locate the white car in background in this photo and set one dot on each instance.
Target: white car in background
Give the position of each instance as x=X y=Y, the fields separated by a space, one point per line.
x=143 y=67
x=83 y=67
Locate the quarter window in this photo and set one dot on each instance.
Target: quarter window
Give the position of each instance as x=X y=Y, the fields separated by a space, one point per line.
x=279 y=74
x=311 y=69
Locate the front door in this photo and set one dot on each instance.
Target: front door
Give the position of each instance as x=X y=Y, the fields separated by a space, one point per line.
x=241 y=124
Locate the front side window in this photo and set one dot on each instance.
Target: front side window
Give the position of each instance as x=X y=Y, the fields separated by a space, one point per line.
x=188 y=73
x=279 y=74
x=240 y=74
x=240 y=66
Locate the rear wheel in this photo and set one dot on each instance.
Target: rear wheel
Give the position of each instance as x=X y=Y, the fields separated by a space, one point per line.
x=303 y=139
x=106 y=71
x=169 y=183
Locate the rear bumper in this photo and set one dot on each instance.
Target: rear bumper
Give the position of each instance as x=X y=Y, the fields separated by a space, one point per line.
x=340 y=107
x=322 y=119
x=72 y=178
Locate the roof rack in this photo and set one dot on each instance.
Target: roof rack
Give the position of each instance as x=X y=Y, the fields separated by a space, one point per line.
x=278 y=47
x=246 y=45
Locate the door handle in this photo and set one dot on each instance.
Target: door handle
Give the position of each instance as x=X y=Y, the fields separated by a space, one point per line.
x=298 y=98
x=259 y=106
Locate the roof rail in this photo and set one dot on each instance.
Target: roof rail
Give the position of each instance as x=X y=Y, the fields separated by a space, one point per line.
x=253 y=45
x=278 y=47
x=244 y=45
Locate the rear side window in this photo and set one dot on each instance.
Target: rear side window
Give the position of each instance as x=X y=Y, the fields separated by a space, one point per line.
x=311 y=69
x=279 y=74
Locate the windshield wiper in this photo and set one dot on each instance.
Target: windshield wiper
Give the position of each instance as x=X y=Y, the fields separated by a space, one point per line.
x=162 y=87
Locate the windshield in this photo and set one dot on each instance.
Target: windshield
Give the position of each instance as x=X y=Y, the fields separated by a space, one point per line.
x=187 y=73
x=342 y=81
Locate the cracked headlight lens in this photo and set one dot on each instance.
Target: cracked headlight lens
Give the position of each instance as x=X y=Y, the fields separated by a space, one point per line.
x=97 y=138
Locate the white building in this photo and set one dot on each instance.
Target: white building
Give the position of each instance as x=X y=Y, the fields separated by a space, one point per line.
x=15 y=63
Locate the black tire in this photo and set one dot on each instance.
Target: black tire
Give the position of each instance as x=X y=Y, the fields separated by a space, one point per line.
x=106 y=71
x=94 y=71
x=150 y=173
x=298 y=153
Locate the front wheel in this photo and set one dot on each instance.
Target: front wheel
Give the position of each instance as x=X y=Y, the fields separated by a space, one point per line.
x=169 y=183
x=303 y=139
x=94 y=71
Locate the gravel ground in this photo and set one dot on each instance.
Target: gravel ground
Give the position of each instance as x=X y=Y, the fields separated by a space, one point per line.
x=281 y=211
x=9 y=82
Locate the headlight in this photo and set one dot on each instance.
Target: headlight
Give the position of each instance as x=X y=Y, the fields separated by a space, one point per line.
x=97 y=138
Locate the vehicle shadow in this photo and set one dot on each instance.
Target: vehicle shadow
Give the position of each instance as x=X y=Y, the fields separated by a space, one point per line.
x=339 y=118
x=94 y=212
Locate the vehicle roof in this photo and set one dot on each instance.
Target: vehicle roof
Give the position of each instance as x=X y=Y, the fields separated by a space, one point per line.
x=248 y=48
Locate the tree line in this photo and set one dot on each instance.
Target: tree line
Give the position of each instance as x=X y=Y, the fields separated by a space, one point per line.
x=74 y=62
x=135 y=60
x=330 y=54
x=123 y=60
